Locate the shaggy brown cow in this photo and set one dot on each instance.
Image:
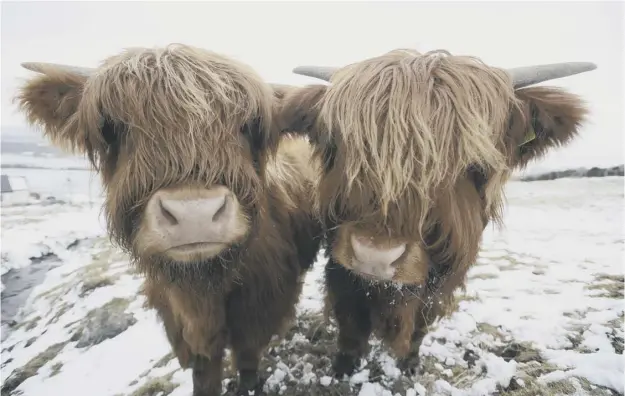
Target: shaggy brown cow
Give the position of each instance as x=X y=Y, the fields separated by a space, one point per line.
x=213 y=207
x=416 y=150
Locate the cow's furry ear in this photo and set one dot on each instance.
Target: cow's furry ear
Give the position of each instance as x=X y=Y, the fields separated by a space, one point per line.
x=280 y=91
x=300 y=109
x=51 y=100
x=546 y=118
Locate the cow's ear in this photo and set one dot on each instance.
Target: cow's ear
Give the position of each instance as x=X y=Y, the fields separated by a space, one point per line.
x=299 y=110
x=545 y=118
x=300 y=115
x=280 y=91
x=50 y=100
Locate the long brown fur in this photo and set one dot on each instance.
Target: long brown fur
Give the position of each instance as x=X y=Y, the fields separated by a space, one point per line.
x=417 y=148
x=181 y=116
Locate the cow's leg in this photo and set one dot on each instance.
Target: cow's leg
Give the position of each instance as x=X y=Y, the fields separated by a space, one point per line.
x=208 y=343
x=248 y=339
x=410 y=363
x=207 y=372
x=254 y=315
x=247 y=361
x=350 y=306
x=426 y=314
x=157 y=299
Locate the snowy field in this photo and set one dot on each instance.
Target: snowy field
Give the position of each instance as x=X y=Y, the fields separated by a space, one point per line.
x=543 y=313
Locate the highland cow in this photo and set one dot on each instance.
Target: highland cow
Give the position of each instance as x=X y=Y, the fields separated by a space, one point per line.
x=211 y=203
x=416 y=150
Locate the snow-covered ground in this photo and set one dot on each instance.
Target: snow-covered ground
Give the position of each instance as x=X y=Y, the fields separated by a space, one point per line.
x=543 y=313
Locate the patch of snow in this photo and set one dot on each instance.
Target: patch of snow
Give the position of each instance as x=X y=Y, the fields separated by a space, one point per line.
x=276 y=378
x=595 y=339
x=601 y=368
x=36 y=237
x=442 y=387
x=373 y=389
x=419 y=389
x=311 y=299
x=326 y=380
x=360 y=377
x=389 y=366
x=146 y=341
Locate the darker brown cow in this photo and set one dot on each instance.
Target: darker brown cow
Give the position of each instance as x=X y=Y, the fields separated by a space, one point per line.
x=416 y=151
x=212 y=205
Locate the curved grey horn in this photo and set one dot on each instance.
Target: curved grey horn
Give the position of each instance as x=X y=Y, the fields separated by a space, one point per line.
x=529 y=75
x=43 y=68
x=321 y=72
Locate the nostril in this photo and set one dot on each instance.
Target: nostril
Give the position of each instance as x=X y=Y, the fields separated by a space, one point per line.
x=222 y=208
x=167 y=213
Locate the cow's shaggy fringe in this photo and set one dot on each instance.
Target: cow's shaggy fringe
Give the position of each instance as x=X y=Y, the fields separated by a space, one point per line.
x=415 y=122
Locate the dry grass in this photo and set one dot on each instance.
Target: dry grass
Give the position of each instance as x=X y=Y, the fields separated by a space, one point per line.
x=161 y=386
x=30 y=369
x=487 y=328
x=93 y=275
x=616 y=336
x=96 y=274
x=614 y=278
x=94 y=281
x=54 y=292
x=55 y=369
x=33 y=323
x=460 y=297
x=570 y=386
x=28 y=324
x=164 y=360
x=484 y=276
x=114 y=305
x=612 y=286
x=533 y=388
x=57 y=315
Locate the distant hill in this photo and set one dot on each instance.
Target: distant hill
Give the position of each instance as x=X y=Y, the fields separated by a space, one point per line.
x=25 y=148
x=576 y=173
x=20 y=140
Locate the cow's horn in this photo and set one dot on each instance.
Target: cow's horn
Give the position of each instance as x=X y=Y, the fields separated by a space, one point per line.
x=321 y=72
x=43 y=68
x=529 y=75
x=521 y=76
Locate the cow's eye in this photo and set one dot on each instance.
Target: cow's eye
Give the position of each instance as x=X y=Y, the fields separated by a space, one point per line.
x=109 y=132
x=251 y=131
x=479 y=178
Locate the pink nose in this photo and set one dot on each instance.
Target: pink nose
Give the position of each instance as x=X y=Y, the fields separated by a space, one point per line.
x=373 y=260
x=184 y=213
x=190 y=216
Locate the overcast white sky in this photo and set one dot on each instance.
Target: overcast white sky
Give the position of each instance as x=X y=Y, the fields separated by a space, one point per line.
x=275 y=37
